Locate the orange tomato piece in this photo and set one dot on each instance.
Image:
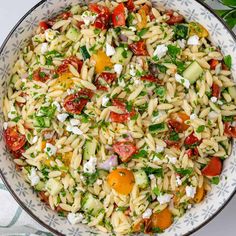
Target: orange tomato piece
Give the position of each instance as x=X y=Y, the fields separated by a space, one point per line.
x=102 y=61
x=67 y=158
x=65 y=81
x=121 y=180
x=162 y=220
x=43 y=145
x=143 y=12
x=200 y=193
x=177 y=121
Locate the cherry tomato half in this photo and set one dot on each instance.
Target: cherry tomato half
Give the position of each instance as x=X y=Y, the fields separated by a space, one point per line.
x=74 y=61
x=125 y=150
x=118 y=16
x=213 y=168
x=139 y=48
x=104 y=80
x=43 y=25
x=174 y=18
x=191 y=140
x=229 y=130
x=215 y=90
x=213 y=63
x=41 y=76
x=130 y=5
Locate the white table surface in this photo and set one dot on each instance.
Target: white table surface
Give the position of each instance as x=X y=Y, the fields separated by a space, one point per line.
x=223 y=224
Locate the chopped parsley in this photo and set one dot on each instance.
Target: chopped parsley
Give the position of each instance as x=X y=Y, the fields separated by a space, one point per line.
x=153 y=171
x=141 y=153
x=173 y=51
x=200 y=128
x=180 y=31
x=228 y=61
x=215 y=180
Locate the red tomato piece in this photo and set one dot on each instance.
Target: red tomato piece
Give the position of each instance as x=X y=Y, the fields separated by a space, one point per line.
x=118 y=103
x=75 y=103
x=213 y=168
x=39 y=75
x=18 y=154
x=104 y=79
x=43 y=25
x=74 y=61
x=174 y=144
x=215 y=90
x=130 y=5
x=103 y=17
x=79 y=24
x=139 y=48
x=191 y=140
x=192 y=152
x=118 y=16
x=150 y=78
x=229 y=130
x=65 y=15
x=174 y=18
x=125 y=150
x=213 y=63
x=14 y=140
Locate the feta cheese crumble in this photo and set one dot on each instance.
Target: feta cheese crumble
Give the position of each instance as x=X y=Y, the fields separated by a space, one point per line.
x=105 y=100
x=164 y=198
x=62 y=117
x=181 y=43
x=193 y=40
x=178 y=180
x=33 y=177
x=159 y=149
x=50 y=149
x=110 y=51
x=214 y=99
x=172 y=160
x=193 y=116
x=34 y=140
x=74 y=122
x=118 y=68
x=75 y=218
x=160 y=51
x=190 y=191
x=147 y=214
x=88 y=17
x=182 y=80
x=90 y=166
x=74 y=129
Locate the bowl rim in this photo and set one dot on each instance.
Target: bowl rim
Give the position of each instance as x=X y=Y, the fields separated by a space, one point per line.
x=18 y=200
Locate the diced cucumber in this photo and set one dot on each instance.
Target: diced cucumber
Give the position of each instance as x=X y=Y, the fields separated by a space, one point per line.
x=158 y=128
x=193 y=72
x=232 y=92
x=42 y=122
x=40 y=186
x=90 y=147
x=73 y=34
x=102 y=173
x=53 y=186
x=91 y=205
x=84 y=52
x=141 y=178
x=122 y=56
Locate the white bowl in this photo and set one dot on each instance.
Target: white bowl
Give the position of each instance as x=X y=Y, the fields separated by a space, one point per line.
x=196 y=217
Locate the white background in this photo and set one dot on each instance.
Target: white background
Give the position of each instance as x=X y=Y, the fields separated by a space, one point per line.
x=223 y=225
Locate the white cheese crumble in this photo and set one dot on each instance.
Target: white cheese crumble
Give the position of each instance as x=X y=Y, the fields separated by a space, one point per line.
x=118 y=68
x=75 y=218
x=181 y=43
x=190 y=191
x=88 y=17
x=90 y=166
x=214 y=99
x=74 y=122
x=182 y=80
x=165 y=198
x=50 y=149
x=74 y=130
x=50 y=34
x=193 y=40
x=159 y=149
x=35 y=139
x=105 y=100
x=44 y=48
x=62 y=117
x=33 y=177
x=160 y=51
x=147 y=214
x=132 y=70
x=172 y=160
x=178 y=180
x=110 y=51
x=57 y=105
x=193 y=116
x=5 y=125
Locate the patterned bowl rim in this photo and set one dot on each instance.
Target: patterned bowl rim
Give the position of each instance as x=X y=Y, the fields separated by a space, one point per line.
x=18 y=200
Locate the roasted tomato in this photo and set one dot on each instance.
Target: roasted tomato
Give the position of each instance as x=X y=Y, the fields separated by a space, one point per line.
x=139 y=48
x=200 y=194
x=65 y=15
x=118 y=15
x=125 y=150
x=43 y=26
x=43 y=197
x=41 y=76
x=14 y=140
x=130 y=5
x=18 y=154
x=121 y=118
x=74 y=61
x=103 y=17
x=215 y=90
x=75 y=103
x=174 y=18
x=104 y=80
x=175 y=144
x=143 y=12
x=121 y=180
x=192 y=152
x=213 y=63
x=191 y=140
x=213 y=168
x=150 y=78
x=230 y=130
x=177 y=121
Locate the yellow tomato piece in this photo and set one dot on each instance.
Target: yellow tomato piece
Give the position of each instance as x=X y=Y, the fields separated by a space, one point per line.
x=67 y=158
x=199 y=195
x=101 y=61
x=43 y=145
x=121 y=180
x=143 y=12
x=65 y=81
x=197 y=29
